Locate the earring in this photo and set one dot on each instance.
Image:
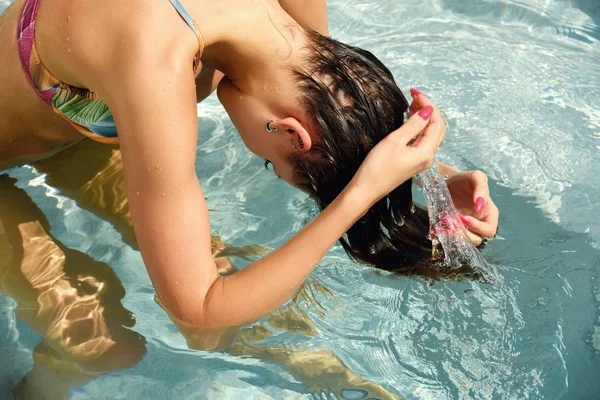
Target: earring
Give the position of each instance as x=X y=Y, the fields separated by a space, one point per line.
x=301 y=143
x=295 y=148
x=269 y=129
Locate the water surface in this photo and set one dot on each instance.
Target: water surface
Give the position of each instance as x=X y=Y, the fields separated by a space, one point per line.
x=520 y=83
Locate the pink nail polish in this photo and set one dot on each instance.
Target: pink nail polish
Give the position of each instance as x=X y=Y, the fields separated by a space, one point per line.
x=479 y=203
x=415 y=92
x=426 y=112
x=465 y=220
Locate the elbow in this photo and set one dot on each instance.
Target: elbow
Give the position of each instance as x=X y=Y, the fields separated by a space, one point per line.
x=200 y=333
x=211 y=339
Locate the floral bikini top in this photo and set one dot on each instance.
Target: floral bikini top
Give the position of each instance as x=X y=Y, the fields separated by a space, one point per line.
x=82 y=108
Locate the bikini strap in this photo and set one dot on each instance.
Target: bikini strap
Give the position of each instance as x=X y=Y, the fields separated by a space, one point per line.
x=190 y=21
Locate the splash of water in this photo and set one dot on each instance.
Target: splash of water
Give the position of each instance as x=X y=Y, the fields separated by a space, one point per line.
x=446 y=228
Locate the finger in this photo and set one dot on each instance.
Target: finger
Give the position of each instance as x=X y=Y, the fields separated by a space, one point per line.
x=482 y=228
x=413 y=126
x=492 y=215
x=475 y=239
x=420 y=101
x=432 y=135
x=437 y=119
x=413 y=108
x=481 y=191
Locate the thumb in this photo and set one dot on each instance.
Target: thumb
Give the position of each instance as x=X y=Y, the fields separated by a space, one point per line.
x=413 y=125
x=479 y=203
x=481 y=191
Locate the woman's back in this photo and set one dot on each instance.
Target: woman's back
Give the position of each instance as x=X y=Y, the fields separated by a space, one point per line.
x=28 y=127
x=74 y=41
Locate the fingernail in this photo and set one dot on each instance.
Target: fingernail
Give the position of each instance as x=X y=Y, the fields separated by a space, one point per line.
x=415 y=92
x=479 y=203
x=465 y=220
x=426 y=112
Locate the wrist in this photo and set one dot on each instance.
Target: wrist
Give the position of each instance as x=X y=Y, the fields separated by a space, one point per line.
x=447 y=170
x=356 y=200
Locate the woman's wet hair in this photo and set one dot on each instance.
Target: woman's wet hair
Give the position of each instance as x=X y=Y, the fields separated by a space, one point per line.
x=354 y=103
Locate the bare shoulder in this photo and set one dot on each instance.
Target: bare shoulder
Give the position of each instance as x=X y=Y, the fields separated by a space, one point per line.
x=92 y=42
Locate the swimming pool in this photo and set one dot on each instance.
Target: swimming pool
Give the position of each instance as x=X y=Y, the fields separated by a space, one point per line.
x=520 y=83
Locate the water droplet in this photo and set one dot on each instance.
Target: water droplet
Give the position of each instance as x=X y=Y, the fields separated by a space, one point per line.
x=163 y=194
x=137 y=193
x=400 y=221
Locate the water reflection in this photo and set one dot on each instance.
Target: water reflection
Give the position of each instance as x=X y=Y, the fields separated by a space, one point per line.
x=74 y=302
x=71 y=300
x=325 y=374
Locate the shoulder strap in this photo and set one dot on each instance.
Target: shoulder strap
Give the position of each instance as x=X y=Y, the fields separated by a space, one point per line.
x=186 y=17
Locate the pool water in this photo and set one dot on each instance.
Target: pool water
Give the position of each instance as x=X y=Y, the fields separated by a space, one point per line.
x=520 y=83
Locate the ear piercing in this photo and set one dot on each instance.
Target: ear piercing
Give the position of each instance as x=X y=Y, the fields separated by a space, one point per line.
x=269 y=129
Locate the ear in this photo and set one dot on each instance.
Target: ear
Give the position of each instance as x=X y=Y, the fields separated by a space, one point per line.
x=296 y=131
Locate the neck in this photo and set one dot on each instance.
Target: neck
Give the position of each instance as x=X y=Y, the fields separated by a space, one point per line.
x=252 y=42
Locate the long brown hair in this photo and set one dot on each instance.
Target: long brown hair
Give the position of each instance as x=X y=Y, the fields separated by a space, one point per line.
x=354 y=103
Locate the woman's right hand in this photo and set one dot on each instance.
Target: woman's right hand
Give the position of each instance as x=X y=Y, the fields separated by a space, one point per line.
x=400 y=156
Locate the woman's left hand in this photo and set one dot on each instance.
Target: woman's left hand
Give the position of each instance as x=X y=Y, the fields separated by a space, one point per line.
x=471 y=196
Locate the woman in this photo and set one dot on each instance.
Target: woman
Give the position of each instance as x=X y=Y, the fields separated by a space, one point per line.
x=313 y=107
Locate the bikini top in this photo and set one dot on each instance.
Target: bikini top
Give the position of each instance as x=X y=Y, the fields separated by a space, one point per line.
x=81 y=107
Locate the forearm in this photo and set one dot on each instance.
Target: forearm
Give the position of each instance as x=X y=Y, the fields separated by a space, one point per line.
x=248 y=295
x=447 y=170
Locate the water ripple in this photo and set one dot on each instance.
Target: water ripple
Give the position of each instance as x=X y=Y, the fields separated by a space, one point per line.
x=520 y=83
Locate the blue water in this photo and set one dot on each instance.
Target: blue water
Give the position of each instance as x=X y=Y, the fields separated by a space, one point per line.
x=520 y=83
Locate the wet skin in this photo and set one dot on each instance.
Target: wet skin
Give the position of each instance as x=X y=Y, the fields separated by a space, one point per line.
x=72 y=300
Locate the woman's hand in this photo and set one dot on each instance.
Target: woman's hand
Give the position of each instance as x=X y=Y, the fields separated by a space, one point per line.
x=469 y=190
x=400 y=156
x=471 y=196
